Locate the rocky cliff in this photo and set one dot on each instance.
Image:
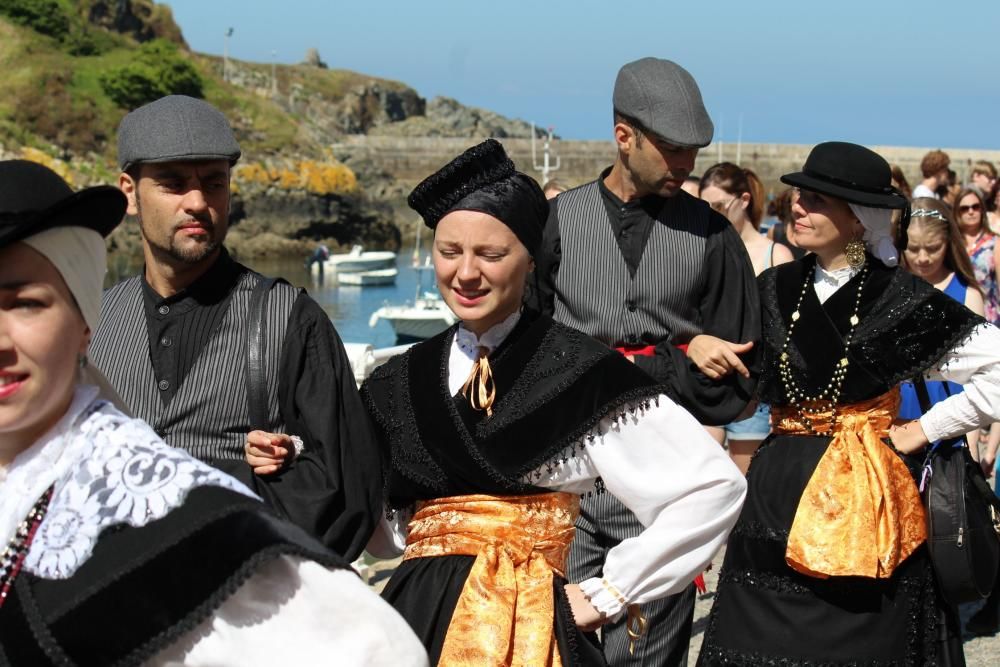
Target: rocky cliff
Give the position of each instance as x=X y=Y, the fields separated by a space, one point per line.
x=73 y=68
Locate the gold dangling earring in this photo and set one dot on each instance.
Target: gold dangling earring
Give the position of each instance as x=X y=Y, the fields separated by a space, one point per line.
x=855 y=251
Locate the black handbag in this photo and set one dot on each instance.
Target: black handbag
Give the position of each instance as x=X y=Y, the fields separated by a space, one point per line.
x=963 y=518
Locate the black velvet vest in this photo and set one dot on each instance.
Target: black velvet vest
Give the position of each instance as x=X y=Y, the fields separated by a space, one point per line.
x=554 y=384
x=906 y=327
x=143 y=588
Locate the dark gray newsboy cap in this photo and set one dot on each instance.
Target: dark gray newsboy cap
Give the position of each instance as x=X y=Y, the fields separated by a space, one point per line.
x=175 y=128
x=664 y=98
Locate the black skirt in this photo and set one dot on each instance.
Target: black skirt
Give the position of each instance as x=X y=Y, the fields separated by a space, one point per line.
x=425 y=591
x=766 y=613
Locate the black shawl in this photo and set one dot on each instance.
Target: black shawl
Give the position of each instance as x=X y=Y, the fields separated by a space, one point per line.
x=554 y=384
x=906 y=327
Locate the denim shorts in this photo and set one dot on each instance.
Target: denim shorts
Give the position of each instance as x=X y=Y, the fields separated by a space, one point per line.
x=755 y=427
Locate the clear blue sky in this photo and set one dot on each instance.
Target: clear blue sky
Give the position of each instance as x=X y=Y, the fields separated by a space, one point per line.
x=891 y=72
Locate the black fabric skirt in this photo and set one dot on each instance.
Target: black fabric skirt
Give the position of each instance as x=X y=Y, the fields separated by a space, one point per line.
x=766 y=613
x=425 y=591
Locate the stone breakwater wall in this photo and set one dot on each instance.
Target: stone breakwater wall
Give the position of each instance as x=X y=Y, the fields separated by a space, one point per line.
x=411 y=159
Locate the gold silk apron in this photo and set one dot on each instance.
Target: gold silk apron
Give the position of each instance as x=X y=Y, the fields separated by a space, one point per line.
x=506 y=610
x=860 y=514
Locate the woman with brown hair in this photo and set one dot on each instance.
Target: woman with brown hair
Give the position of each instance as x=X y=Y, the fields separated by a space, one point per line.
x=980 y=244
x=738 y=194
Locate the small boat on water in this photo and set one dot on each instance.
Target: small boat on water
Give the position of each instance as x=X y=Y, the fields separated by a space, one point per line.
x=357 y=260
x=368 y=278
x=428 y=316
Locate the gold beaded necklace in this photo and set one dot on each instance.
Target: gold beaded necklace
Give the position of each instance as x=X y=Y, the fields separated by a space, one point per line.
x=809 y=407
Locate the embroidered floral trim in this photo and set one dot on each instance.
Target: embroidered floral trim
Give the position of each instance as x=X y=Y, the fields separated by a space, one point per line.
x=763 y=580
x=755 y=530
x=126 y=475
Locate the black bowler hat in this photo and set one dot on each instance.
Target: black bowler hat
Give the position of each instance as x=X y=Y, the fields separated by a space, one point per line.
x=34 y=198
x=849 y=172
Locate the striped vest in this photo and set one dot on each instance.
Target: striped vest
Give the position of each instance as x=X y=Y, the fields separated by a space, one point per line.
x=594 y=291
x=208 y=415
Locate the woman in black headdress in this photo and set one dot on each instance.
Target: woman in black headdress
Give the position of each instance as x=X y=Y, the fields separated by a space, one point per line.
x=826 y=564
x=492 y=429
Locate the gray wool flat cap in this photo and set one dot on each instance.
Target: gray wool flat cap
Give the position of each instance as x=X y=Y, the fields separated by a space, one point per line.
x=664 y=98
x=175 y=128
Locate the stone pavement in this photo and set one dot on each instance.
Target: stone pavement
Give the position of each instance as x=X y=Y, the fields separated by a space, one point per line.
x=979 y=651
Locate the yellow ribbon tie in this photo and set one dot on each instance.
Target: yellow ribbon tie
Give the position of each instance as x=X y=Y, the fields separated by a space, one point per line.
x=479 y=389
x=505 y=614
x=860 y=514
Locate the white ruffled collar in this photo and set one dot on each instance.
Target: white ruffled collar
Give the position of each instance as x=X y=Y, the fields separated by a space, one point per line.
x=836 y=277
x=826 y=283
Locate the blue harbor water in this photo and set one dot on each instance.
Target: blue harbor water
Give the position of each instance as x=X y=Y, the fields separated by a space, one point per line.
x=348 y=306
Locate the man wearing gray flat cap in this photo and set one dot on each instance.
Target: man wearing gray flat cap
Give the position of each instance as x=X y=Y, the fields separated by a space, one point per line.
x=238 y=369
x=644 y=267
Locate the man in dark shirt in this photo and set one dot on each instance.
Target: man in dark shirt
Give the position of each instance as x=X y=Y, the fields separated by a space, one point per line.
x=219 y=360
x=643 y=266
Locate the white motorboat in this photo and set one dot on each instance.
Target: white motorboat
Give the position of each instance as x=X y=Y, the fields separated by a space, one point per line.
x=368 y=278
x=428 y=316
x=355 y=261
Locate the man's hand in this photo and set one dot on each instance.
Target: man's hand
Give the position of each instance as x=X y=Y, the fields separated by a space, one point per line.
x=717 y=358
x=585 y=614
x=267 y=452
x=909 y=437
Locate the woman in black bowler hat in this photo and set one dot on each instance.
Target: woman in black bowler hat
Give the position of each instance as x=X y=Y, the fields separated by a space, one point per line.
x=827 y=563
x=118 y=549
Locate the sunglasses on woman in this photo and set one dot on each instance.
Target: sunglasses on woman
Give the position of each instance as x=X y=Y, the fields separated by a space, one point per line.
x=970 y=207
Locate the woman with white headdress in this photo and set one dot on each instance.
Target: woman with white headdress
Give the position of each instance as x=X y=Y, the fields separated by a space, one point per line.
x=118 y=549
x=827 y=563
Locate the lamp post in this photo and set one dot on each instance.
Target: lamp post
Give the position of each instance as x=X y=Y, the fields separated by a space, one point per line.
x=546 y=167
x=225 y=56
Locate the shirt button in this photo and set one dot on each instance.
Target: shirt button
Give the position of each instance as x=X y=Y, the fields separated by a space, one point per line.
x=164 y=310
x=166 y=342
x=632 y=339
x=163 y=385
x=630 y=305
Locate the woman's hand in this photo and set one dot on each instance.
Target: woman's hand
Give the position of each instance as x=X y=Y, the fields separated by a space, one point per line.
x=717 y=358
x=267 y=452
x=909 y=437
x=585 y=614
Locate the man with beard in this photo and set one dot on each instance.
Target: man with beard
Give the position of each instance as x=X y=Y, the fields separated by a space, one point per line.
x=221 y=361
x=636 y=262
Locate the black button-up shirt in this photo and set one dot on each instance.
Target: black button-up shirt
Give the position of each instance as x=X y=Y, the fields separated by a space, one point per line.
x=632 y=222
x=180 y=325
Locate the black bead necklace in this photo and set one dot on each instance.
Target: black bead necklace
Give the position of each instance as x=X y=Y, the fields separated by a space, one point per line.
x=17 y=549
x=810 y=407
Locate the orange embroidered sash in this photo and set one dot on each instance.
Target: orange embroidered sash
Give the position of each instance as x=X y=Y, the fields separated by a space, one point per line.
x=505 y=612
x=860 y=514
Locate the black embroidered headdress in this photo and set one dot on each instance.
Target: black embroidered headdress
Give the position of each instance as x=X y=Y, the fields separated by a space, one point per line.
x=484 y=179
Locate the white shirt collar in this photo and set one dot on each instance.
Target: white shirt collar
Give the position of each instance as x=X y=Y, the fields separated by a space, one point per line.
x=826 y=283
x=465 y=349
x=469 y=343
